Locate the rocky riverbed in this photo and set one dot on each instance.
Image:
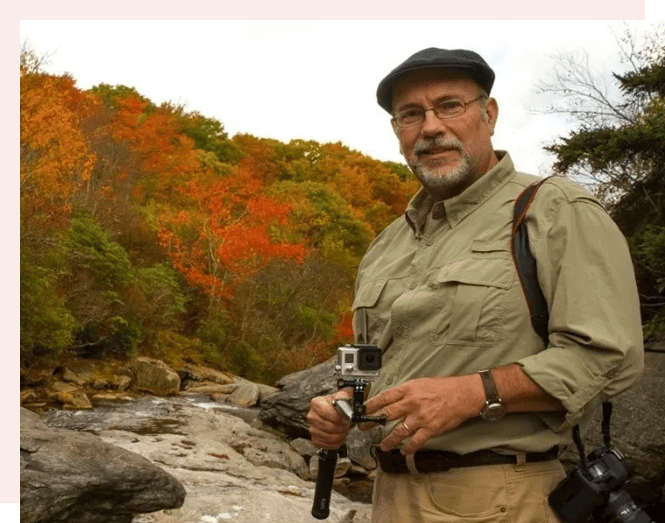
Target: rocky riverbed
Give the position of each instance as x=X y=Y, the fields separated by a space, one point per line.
x=239 y=449
x=232 y=466
x=230 y=470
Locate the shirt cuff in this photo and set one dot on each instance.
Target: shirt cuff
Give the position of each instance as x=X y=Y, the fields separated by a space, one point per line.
x=579 y=394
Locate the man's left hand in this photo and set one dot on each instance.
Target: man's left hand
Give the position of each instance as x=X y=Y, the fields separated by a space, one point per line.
x=428 y=407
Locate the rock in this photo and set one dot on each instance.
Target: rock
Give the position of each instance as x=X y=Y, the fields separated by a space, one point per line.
x=81 y=371
x=262 y=449
x=112 y=396
x=266 y=391
x=342 y=466
x=286 y=409
x=71 y=377
x=246 y=394
x=189 y=371
x=209 y=387
x=221 y=482
x=70 y=396
x=28 y=395
x=358 y=445
x=100 y=384
x=304 y=447
x=68 y=476
x=121 y=382
x=152 y=375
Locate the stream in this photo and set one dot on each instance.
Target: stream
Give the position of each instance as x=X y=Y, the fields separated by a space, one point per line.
x=145 y=415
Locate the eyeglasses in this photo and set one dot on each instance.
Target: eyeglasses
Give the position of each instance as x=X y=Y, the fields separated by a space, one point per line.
x=444 y=110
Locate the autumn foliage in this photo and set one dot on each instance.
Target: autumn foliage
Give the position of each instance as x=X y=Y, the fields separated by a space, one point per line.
x=147 y=229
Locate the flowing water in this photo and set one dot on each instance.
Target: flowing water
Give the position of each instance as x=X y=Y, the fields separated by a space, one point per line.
x=144 y=415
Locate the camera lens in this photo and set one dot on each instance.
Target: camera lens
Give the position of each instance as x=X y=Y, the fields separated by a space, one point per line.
x=621 y=508
x=370 y=359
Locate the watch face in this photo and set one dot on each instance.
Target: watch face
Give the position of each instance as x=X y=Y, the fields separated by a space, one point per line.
x=493 y=412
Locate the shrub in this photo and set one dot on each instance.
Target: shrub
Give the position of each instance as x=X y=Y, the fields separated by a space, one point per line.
x=47 y=326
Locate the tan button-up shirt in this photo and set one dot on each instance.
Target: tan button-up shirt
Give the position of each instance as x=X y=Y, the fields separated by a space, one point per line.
x=443 y=298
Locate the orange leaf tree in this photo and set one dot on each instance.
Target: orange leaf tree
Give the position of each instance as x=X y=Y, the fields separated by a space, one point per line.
x=227 y=234
x=56 y=158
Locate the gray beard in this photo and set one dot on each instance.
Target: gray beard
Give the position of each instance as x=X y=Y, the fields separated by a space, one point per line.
x=434 y=179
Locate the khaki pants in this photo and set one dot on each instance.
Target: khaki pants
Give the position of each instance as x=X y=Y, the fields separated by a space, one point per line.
x=484 y=494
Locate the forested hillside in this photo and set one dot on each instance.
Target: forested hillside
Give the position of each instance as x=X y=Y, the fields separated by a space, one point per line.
x=146 y=229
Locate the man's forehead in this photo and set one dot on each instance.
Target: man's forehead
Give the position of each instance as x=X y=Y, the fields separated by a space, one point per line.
x=435 y=79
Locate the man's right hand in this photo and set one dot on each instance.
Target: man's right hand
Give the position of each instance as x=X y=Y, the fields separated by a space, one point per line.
x=328 y=427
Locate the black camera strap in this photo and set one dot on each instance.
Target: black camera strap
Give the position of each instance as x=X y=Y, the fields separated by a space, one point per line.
x=577 y=437
x=607 y=414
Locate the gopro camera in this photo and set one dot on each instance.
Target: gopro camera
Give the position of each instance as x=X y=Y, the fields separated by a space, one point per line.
x=356 y=362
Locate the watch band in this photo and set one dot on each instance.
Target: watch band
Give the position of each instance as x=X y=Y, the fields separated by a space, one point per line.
x=494 y=408
x=490 y=387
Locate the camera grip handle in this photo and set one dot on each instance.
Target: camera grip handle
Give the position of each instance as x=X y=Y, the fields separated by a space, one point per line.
x=324 y=482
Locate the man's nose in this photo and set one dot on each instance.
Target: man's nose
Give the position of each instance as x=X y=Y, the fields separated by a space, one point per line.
x=433 y=125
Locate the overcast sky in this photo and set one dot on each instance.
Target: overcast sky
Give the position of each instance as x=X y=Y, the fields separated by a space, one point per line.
x=317 y=79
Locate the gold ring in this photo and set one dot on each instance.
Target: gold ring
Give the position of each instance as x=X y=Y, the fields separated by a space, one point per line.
x=406 y=426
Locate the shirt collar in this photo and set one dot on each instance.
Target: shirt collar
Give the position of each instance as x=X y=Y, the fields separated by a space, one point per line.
x=458 y=207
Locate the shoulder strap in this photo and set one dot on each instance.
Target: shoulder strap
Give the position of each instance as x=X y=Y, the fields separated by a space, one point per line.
x=526 y=263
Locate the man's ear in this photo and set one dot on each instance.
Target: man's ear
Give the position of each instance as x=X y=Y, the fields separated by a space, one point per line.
x=395 y=128
x=492 y=108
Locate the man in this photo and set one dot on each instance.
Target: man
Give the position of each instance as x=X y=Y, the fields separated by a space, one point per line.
x=467 y=385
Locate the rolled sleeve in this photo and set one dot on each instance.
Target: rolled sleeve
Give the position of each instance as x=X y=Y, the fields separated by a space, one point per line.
x=595 y=348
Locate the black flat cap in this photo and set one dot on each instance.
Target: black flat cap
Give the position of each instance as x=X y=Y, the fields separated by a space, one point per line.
x=461 y=61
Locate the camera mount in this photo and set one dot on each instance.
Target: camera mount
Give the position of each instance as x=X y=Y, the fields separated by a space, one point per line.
x=355 y=412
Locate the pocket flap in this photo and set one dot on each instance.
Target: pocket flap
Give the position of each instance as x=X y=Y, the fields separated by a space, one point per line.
x=368 y=294
x=489 y=246
x=489 y=272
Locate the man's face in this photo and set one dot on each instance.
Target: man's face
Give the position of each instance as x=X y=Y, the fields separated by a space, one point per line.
x=447 y=156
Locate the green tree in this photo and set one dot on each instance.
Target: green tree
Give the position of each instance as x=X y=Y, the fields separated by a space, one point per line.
x=618 y=140
x=619 y=148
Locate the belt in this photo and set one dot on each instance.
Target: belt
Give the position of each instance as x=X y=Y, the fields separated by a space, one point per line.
x=393 y=462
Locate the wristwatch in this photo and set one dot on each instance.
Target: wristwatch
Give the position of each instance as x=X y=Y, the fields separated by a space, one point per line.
x=494 y=408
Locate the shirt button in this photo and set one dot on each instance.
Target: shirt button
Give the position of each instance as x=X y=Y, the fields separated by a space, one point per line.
x=413 y=285
x=389 y=380
x=399 y=329
x=611 y=374
x=429 y=242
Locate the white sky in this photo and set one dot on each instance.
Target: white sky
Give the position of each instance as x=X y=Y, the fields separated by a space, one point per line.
x=317 y=79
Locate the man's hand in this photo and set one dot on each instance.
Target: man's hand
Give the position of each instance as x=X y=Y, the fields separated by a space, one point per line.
x=328 y=427
x=428 y=407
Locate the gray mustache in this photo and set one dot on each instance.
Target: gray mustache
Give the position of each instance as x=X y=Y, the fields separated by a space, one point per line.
x=424 y=144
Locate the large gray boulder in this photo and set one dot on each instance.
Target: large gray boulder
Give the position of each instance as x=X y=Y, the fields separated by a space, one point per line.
x=75 y=477
x=286 y=409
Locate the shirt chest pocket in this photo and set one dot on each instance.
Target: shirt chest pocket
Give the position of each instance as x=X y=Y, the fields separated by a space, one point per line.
x=470 y=299
x=365 y=302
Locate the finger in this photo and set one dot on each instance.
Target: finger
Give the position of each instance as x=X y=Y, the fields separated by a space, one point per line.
x=327 y=441
x=399 y=434
x=322 y=407
x=384 y=399
x=417 y=441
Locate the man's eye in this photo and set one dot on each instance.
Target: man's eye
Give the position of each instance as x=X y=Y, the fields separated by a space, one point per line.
x=410 y=114
x=450 y=106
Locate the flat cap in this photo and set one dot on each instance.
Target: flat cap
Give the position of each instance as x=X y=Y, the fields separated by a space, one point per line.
x=461 y=61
